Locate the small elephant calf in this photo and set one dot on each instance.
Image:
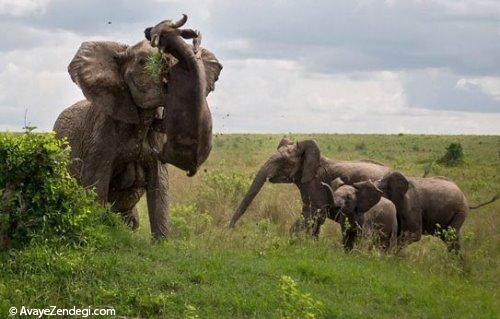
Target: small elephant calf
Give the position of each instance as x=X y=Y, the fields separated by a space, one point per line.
x=362 y=204
x=427 y=206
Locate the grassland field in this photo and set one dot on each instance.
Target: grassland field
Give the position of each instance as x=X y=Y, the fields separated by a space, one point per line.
x=205 y=270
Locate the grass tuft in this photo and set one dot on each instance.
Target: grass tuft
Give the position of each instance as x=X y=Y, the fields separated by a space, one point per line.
x=156 y=64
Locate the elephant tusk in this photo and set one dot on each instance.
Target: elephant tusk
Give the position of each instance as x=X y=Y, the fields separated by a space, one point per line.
x=179 y=23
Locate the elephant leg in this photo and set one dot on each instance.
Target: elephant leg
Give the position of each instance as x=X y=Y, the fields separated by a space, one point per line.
x=411 y=228
x=97 y=174
x=456 y=223
x=317 y=221
x=131 y=218
x=298 y=226
x=408 y=237
x=349 y=238
x=349 y=234
x=305 y=221
x=157 y=198
x=124 y=202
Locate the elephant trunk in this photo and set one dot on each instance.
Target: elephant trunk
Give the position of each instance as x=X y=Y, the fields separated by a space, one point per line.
x=262 y=175
x=329 y=194
x=187 y=122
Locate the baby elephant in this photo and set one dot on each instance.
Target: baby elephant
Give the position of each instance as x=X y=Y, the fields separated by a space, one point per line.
x=427 y=206
x=362 y=204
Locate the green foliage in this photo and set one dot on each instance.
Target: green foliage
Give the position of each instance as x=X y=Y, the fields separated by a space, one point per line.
x=228 y=184
x=186 y=220
x=223 y=188
x=191 y=312
x=39 y=200
x=295 y=304
x=234 y=273
x=156 y=64
x=454 y=155
x=448 y=234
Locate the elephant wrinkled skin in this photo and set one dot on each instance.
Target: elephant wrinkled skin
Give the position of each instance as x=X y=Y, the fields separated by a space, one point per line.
x=112 y=133
x=188 y=123
x=301 y=163
x=432 y=205
x=362 y=204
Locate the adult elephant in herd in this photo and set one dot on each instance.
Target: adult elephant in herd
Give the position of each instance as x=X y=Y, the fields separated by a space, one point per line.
x=113 y=134
x=301 y=163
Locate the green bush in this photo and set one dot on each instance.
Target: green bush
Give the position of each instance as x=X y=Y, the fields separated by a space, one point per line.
x=39 y=200
x=223 y=187
x=186 y=220
x=295 y=304
x=454 y=155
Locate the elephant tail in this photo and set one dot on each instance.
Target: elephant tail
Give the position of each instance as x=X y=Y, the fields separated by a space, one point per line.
x=497 y=196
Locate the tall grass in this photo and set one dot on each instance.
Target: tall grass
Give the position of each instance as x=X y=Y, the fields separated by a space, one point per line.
x=257 y=270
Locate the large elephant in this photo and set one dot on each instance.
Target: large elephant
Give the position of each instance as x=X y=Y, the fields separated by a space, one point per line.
x=433 y=205
x=111 y=132
x=301 y=163
x=362 y=204
x=189 y=82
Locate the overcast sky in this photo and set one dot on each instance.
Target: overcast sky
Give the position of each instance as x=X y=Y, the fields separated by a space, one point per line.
x=367 y=66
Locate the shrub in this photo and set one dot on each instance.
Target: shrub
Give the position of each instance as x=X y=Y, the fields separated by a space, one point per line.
x=454 y=155
x=186 y=220
x=295 y=304
x=39 y=200
x=227 y=187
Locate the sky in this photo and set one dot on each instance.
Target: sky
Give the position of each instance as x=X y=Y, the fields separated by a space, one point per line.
x=347 y=66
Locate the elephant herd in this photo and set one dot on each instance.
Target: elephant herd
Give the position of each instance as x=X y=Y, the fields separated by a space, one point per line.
x=133 y=123
x=364 y=197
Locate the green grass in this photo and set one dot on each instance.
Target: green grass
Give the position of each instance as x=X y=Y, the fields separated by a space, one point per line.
x=207 y=270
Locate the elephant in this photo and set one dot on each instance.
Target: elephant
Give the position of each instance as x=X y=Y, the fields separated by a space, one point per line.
x=114 y=143
x=362 y=204
x=189 y=137
x=301 y=163
x=427 y=206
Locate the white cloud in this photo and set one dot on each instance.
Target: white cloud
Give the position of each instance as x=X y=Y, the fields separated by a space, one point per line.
x=333 y=66
x=489 y=85
x=19 y=8
x=280 y=96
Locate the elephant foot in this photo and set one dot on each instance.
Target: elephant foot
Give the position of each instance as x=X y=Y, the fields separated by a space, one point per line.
x=454 y=246
x=298 y=227
x=131 y=218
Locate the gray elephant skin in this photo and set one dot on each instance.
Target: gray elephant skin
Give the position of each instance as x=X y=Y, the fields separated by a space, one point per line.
x=301 y=163
x=427 y=206
x=112 y=137
x=189 y=82
x=362 y=204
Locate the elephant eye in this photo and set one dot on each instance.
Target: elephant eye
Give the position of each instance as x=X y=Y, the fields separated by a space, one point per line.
x=143 y=61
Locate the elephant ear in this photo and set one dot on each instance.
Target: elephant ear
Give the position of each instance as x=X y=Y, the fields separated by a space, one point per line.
x=336 y=183
x=309 y=150
x=368 y=195
x=395 y=185
x=96 y=70
x=212 y=68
